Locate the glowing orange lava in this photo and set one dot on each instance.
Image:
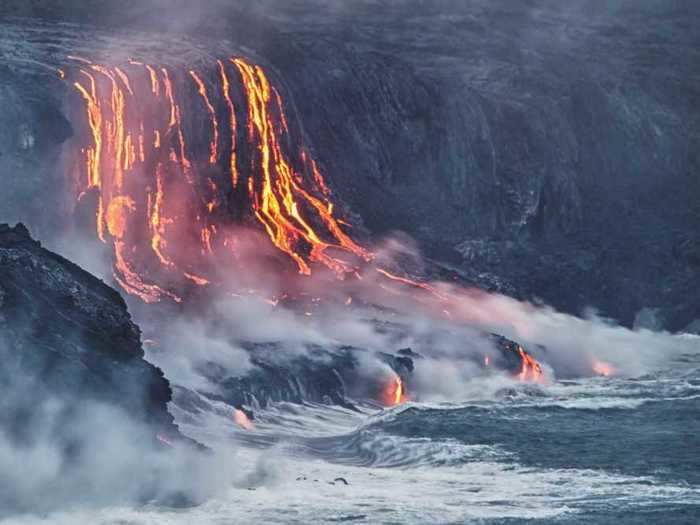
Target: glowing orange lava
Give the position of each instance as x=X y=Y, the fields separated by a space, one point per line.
x=202 y=89
x=530 y=369
x=226 y=87
x=279 y=198
x=164 y=205
x=242 y=420
x=117 y=215
x=394 y=393
x=602 y=369
x=153 y=189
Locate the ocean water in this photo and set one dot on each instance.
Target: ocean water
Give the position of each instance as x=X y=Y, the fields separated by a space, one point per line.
x=594 y=450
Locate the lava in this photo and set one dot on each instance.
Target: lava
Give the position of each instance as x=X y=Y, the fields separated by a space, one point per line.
x=202 y=89
x=530 y=369
x=226 y=87
x=242 y=420
x=410 y=282
x=117 y=215
x=155 y=83
x=139 y=181
x=165 y=440
x=166 y=207
x=279 y=196
x=394 y=392
x=602 y=369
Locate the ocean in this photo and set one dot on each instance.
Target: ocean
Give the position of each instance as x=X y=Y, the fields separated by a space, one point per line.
x=598 y=450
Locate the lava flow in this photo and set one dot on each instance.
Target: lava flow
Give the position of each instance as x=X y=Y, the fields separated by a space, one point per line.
x=393 y=393
x=530 y=369
x=163 y=165
x=155 y=195
x=242 y=420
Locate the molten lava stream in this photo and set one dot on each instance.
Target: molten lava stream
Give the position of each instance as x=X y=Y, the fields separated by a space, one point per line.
x=393 y=393
x=138 y=148
x=530 y=369
x=166 y=207
x=278 y=198
x=242 y=420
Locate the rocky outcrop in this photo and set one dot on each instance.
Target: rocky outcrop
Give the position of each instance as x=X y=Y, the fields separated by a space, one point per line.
x=66 y=335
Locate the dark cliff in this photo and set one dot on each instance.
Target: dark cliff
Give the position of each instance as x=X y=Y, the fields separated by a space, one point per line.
x=547 y=147
x=66 y=335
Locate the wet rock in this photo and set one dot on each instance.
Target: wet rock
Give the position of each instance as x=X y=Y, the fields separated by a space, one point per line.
x=65 y=334
x=408 y=352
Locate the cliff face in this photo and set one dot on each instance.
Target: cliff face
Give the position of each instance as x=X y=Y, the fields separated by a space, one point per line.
x=550 y=144
x=66 y=335
x=546 y=146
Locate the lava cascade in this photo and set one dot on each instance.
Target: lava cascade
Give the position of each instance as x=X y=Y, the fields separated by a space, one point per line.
x=163 y=208
x=393 y=392
x=169 y=158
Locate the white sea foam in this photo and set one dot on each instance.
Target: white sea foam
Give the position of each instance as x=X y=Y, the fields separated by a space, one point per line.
x=396 y=479
x=305 y=492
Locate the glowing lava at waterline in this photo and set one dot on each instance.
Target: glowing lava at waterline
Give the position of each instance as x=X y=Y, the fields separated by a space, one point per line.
x=394 y=393
x=530 y=369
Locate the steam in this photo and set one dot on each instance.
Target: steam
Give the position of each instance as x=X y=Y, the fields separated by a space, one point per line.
x=117 y=457
x=81 y=452
x=447 y=325
x=187 y=346
x=568 y=344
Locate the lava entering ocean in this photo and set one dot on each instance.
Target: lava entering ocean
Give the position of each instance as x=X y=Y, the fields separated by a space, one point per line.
x=530 y=369
x=168 y=161
x=394 y=393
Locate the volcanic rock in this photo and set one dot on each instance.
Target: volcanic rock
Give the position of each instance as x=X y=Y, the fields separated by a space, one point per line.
x=66 y=335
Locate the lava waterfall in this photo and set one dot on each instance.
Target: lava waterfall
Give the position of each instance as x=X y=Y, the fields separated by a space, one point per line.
x=174 y=167
x=169 y=160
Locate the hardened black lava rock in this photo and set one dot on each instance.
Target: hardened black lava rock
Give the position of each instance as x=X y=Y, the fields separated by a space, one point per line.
x=67 y=336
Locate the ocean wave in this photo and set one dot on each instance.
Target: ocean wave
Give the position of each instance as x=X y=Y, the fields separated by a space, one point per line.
x=310 y=492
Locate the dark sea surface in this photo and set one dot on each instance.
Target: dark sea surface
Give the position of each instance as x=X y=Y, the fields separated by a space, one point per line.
x=593 y=450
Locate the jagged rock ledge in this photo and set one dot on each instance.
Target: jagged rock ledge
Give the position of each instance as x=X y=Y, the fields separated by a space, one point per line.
x=66 y=335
